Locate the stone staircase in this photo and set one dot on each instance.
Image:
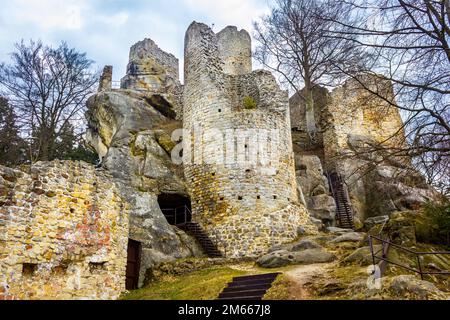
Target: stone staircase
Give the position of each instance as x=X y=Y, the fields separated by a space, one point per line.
x=344 y=212
x=194 y=229
x=248 y=287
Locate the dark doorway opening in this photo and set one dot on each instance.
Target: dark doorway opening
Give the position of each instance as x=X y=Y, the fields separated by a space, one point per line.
x=133 y=264
x=176 y=208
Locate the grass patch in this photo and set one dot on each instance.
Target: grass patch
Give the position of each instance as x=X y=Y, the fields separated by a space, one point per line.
x=205 y=284
x=280 y=289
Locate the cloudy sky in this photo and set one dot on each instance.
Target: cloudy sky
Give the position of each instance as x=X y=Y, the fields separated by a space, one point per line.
x=106 y=29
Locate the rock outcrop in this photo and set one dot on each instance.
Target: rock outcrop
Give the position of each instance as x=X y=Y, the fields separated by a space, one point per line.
x=131 y=130
x=313 y=187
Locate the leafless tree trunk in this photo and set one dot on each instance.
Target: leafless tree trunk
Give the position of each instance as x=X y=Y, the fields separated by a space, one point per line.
x=292 y=42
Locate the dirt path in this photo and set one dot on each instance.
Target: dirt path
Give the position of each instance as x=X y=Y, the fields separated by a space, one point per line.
x=302 y=275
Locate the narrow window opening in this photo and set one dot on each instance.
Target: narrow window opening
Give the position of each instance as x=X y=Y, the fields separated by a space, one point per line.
x=240 y=198
x=60 y=269
x=274 y=197
x=29 y=269
x=97 y=266
x=258 y=197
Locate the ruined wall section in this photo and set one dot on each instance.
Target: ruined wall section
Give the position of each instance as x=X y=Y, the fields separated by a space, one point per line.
x=364 y=135
x=106 y=79
x=235 y=50
x=63 y=233
x=358 y=116
x=152 y=71
x=236 y=202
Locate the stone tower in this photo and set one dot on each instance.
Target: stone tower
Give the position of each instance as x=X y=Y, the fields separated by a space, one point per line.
x=238 y=156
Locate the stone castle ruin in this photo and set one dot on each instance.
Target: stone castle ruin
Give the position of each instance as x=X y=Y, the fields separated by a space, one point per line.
x=250 y=178
x=245 y=208
x=358 y=133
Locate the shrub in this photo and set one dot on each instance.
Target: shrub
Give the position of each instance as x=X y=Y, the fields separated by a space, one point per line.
x=438 y=215
x=249 y=103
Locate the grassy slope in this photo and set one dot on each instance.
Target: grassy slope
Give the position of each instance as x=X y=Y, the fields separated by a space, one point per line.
x=205 y=284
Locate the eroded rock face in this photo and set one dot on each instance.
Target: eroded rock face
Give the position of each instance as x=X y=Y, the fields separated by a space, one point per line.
x=410 y=286
x=283 y=258
x=131 y=134
x=313 y=186
x=360 y=134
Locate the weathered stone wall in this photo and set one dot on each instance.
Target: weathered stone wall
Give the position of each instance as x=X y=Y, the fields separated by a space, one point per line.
x=106 y=79
x=63 y=233
x=155 y=72
x=357 y=114
x=235 y=50
x=363 y=134
x=150 y=68
x=236 y=201
x=301 y=140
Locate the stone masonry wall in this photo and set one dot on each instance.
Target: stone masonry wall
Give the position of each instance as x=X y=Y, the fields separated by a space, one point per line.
x=106 y=79
x=150 y=68
x=154 y=73
x=356 y=113
x=237 y=202
x=235 y=50
x=63 y=233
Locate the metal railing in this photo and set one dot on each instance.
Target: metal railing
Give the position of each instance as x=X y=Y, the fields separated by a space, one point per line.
x=334 y=179
x=178 y=214
x=115 y=84
x=386 y=244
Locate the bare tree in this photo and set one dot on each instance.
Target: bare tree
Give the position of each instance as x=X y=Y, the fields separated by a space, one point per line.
x=48 y=89
x=407 y=41
x=293 y=42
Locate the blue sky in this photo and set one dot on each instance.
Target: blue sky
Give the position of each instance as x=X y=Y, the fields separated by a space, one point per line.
x=106 y=29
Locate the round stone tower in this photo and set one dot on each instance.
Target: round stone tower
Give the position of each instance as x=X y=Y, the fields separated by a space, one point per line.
x=237 y=148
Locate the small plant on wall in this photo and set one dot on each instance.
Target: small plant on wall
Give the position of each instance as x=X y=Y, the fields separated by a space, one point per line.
x=249 y=103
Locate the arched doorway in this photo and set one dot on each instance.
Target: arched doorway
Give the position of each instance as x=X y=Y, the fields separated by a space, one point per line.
x=175 y=207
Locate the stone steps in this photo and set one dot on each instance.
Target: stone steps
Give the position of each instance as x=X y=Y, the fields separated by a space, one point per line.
x=194 y=229
x=252 y=287
x=344 y=213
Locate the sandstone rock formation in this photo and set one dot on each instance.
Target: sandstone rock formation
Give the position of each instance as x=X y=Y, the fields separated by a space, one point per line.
x=63 y=233
x=131 y=131
x=313 y=185
x=152 y=70
x=283 y=258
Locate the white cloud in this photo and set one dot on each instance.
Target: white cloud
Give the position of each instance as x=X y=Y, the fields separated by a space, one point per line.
x=118 y=19
x=229 y=12
x=48 y=14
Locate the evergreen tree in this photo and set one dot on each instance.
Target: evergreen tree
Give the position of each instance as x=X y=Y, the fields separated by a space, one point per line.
x=13 y=149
